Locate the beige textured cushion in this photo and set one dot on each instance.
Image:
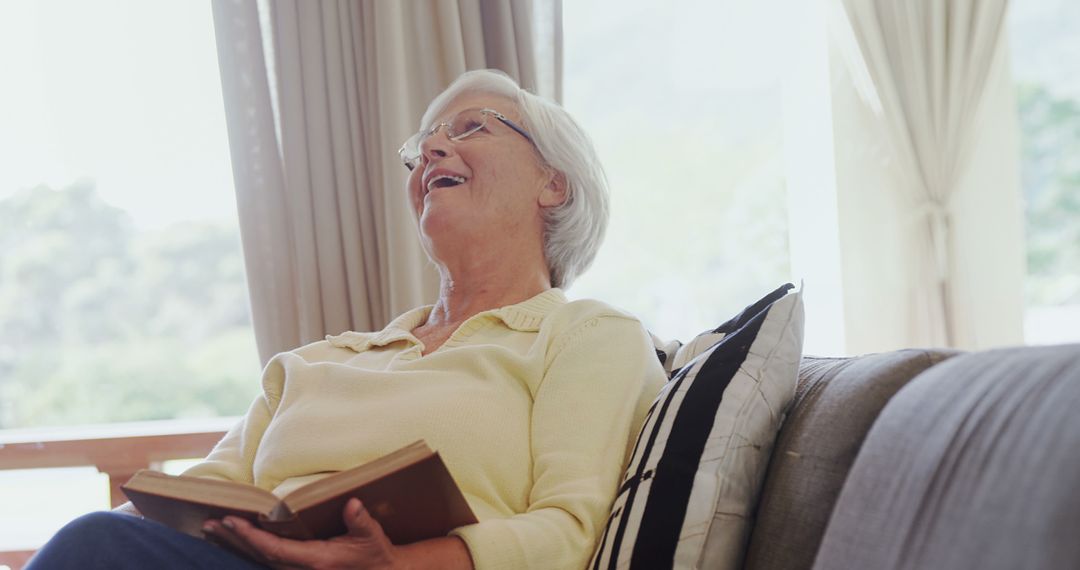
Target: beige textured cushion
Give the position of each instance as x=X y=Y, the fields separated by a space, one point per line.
x=835 y=405
x=974 y=464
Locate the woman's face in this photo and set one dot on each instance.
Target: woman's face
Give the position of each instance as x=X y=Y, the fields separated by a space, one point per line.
x=504 y=190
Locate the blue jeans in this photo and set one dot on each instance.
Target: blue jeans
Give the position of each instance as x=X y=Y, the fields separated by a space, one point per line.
x=123 y=542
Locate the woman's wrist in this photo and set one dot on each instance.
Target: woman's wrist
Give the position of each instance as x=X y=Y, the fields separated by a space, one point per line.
x=448 y=553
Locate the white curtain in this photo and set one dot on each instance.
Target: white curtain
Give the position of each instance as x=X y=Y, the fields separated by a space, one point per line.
x=928 y=62
x=319 y=96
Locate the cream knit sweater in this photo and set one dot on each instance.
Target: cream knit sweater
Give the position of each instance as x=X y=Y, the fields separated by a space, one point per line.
x=532 y=407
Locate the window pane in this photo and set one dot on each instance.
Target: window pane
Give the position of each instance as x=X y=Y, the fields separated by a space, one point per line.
x=122 y=293
x=1046 y=53
x=37 y=502
x=684 y=102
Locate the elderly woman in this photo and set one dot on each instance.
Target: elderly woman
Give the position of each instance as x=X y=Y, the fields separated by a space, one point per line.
x=531 y=400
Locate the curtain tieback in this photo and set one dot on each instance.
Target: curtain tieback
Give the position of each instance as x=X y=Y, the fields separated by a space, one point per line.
x=937 y=216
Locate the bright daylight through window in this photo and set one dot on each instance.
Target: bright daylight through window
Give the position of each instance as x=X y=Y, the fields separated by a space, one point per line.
x=694 y=157
x=122 y=293
x=1045 y=54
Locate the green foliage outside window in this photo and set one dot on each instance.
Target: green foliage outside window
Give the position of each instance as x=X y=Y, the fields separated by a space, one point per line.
x=1050 y=134
x=101 y=323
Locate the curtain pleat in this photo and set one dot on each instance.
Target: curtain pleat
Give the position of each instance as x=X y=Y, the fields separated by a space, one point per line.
x=265 y=229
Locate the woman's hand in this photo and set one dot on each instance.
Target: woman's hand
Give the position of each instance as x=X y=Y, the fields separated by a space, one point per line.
x=364 y=545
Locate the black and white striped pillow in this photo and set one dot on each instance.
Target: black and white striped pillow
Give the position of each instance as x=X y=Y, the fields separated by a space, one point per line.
x=699 y=461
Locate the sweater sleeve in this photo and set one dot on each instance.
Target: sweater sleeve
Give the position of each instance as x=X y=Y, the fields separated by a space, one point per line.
x=233 y=457
x=583 y=412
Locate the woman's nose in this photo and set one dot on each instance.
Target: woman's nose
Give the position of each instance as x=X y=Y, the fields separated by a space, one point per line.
x=438 y=145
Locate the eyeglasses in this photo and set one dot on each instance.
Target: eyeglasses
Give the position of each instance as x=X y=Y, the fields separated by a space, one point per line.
x=459 y=127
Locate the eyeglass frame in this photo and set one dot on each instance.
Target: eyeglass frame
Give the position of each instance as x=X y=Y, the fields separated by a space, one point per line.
x=430 y=132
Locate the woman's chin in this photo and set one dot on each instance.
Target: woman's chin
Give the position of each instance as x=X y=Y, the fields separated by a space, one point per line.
x=439 y=201
x=435 y=222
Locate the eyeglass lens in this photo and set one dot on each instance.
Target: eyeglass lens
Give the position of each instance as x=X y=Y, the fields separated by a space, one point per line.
x=458 y=127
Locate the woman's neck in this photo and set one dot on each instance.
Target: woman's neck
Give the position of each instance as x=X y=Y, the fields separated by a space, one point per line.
x=464 y=294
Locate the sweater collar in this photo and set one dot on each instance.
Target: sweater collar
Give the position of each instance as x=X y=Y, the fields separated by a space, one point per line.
x=526 y=316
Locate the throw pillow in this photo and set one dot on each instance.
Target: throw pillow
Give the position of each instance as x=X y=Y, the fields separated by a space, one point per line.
x=666 y=350
x=697 y=467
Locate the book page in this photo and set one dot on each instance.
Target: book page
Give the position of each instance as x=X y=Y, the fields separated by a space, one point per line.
x=225 y=494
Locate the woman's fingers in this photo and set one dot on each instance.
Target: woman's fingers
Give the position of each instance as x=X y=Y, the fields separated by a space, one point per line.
x=363 y=545
x=360 y=523
x=223 y=536
x=278 y=552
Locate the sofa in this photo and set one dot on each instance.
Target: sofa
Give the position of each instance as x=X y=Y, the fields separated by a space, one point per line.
x=926 y=459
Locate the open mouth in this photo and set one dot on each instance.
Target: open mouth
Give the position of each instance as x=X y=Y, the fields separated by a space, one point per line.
x=444 y=181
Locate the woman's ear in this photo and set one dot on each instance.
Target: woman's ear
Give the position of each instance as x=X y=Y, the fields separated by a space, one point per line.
x=554 y=193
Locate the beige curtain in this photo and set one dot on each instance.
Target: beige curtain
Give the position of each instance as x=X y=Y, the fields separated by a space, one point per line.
x=928 y=62
x=318 y=97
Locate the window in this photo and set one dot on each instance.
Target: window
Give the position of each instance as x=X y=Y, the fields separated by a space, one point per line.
x=689 y=129
x=1045 y=51
x=122 y=293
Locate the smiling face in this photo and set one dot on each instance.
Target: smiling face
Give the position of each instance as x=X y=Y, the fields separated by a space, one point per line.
x=486 y=190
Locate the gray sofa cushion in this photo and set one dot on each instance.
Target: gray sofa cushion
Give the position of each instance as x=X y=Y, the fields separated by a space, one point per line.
x=835 y=405
x=974 y=464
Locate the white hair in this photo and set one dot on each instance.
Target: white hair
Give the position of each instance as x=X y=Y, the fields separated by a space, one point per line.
x=573 y=230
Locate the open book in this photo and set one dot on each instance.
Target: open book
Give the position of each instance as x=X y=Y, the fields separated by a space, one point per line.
x=410 y=492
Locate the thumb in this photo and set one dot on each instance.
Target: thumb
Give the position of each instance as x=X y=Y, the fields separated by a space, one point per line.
x=359 y=522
